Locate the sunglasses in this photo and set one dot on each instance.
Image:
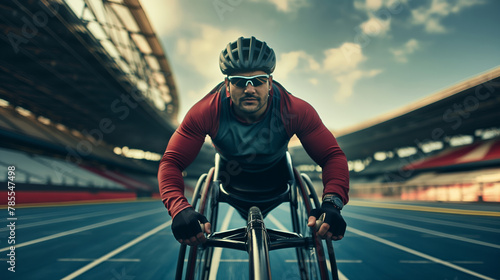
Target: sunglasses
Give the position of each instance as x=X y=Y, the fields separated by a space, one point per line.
x=243 y=81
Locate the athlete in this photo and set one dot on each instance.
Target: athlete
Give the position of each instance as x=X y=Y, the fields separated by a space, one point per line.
x=250 y=119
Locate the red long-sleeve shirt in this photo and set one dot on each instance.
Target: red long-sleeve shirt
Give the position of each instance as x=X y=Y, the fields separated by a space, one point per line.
x=212 y=114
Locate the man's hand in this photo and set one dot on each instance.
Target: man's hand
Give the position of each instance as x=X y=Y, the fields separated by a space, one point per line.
x=333 y=226
x=186 y=227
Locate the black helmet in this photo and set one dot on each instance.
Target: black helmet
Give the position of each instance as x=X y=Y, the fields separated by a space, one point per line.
x=247 y=54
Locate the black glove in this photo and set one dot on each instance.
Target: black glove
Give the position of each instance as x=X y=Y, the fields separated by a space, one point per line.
x=186 y=223
x=332 y=217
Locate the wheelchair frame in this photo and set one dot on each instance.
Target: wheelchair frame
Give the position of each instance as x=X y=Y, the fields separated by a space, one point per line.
x=256 y=239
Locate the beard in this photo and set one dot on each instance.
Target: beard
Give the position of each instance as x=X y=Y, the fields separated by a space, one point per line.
x=250 y=104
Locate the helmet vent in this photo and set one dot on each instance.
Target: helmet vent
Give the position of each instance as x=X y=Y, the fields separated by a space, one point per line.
x=247 y=54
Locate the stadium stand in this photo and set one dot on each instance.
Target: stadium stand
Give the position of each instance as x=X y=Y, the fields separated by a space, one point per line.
x=481 y=153
x=468 y=171
x=48 y=168
x=474 y=185
x=37 y=169
x=465 y=173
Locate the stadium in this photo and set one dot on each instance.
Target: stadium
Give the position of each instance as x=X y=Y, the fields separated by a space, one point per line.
x=88 y=101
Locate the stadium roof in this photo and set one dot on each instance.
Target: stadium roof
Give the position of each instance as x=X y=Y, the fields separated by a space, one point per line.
x=90 y=68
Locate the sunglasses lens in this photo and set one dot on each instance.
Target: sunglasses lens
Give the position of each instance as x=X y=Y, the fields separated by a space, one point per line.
x=259 y=81
x=237 y=82
x=240 y=82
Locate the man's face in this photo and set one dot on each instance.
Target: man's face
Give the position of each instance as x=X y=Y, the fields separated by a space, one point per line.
x=249 y=99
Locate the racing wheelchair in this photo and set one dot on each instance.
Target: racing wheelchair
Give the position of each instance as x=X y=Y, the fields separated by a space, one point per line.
x=256 y=238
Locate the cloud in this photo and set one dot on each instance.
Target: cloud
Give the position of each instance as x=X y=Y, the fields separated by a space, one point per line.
x=288 y=62
x=314 y=81
x=430 y=16
x=286 y=6
x=343 y=59
x=375 y=5
x=165 y=15
x=199 y=56
x=348 y=80
x=376 y=26
x=379 y=14
x=201 y=53
x=342 y=64
x=408 y=48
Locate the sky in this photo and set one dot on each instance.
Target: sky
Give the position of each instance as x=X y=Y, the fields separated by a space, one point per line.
x=351 y=60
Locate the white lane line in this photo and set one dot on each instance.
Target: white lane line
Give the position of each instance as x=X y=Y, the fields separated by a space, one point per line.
x=90 y=260
x=416 y=262
x=234 y=260
x=417 y=253
x=44 y=216
x=64 y=219
x=221 y=260
x=282 y=227
x=341 y=275
x=89 y=227
x=284 y=207
x=338 y=261
x=117 y=251
x=276 y=222
x=218 y=251
x=428 y=262
x=349 y=261
x=427 y=231
x=441 y=222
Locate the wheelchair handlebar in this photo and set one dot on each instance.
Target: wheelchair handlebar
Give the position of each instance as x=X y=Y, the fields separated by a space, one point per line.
x=319 y=222
x=202 y=226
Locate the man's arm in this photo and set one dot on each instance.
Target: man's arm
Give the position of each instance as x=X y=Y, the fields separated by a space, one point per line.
x=301 y=119
x=182 y=149
x=320 y=144
x=323 y=148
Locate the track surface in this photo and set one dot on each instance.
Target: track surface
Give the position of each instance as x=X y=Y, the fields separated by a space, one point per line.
x=133 y=240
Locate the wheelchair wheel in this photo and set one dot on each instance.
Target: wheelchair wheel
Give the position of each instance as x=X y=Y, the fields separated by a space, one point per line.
x=194 y=202
x=328 y=241
x=199 y=258
x=311 y=259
